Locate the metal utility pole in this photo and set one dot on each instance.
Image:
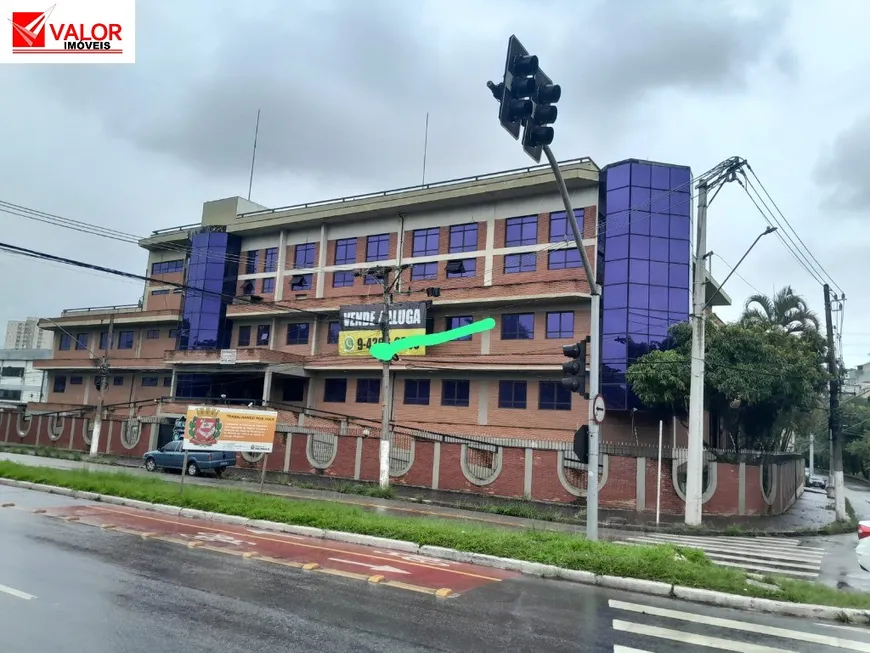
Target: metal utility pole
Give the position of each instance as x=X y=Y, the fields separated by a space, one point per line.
x=102 y=381
x=834 y=422
x=812 y=454
x=594 y=351
x=386 y=380
x=695 y=457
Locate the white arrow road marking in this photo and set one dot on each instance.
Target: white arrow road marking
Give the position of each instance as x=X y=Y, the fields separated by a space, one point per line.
x=382 y=568
x=415 y=558
x=17 y=593
x=217 y=537
x=273 y=533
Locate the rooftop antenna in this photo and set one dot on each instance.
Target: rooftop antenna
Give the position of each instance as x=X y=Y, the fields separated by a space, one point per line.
x=425 y=147
x=254 y=155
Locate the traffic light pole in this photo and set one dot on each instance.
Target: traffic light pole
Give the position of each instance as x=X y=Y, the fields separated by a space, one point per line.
x=594 y=350
x=834 y=421
x=103 y=375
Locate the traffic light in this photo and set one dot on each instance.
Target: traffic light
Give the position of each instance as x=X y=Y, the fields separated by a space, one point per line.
x=581 y=444
x=519 y=86
x=538 y=131
x=575 y=370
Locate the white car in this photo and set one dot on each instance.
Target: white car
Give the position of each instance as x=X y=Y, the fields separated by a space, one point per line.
x=862 y=551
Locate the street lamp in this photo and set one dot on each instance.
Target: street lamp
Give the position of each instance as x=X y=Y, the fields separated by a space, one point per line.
x=764 y=233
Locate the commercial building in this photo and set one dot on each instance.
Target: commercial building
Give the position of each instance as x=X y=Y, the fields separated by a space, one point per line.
x=21 y=382
x=25 y=334
x=264 y=326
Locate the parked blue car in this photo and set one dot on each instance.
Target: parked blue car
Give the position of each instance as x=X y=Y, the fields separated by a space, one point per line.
x=171 y=456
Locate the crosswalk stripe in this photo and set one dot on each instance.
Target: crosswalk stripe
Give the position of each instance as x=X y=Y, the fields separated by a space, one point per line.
x=766 y=570
x=692 y=638
x=727 y=542
x=713 y=548
x=617 y=648
x=743 y=626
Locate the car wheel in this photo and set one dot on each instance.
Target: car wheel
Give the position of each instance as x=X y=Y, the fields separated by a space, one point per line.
x=192 y=468
x=150 y=465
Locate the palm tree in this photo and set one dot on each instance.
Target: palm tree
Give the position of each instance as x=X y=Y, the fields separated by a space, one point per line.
x=784 y=310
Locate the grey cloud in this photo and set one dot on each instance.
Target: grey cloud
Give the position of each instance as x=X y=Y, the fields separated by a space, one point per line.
x=344 y=87
x=843 y=169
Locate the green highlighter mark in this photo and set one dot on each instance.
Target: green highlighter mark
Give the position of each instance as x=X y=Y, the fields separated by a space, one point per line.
x=385 y=351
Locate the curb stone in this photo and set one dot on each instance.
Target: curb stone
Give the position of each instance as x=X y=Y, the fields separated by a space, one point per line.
x=694 y=595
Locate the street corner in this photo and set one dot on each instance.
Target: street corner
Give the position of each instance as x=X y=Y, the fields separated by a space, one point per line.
x=377 y=566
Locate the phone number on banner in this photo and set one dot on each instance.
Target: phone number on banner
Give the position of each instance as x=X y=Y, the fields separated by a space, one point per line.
x=358 y=343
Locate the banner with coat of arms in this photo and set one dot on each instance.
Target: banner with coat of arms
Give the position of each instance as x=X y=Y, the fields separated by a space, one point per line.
x=223 y=428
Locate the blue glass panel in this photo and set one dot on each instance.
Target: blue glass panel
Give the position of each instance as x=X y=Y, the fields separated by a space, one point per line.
x=613 y=349
x=617 y=223
x=658 y=299
x=640 y=222
x=618 y=176
x=618 y=200
x=678 y=300
x=617 y=247
x=616 y=271
x=679 y=252
x=639 y=246
x=614 y=396
x=639 y=272
x=660 y=177
x=680 y=227
x=640 y=174
x=680 y=178
x=615 y=296
x=681 y=204
x=659 y=249
x=658 y=273
x=678 y=275
x=640 y=199
x=615 y=320
x=638 y=296
x=660 y=225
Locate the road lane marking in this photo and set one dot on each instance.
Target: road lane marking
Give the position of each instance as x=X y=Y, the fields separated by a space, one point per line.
x=617 y=648
x=307 y=546
x=17 y=593
x=692 y=638
x=384 y=568
x=743 y=626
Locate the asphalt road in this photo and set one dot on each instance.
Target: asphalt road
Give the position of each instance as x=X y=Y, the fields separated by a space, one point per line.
x=69 y=586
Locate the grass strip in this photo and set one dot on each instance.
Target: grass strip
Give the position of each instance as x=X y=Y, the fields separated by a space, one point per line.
x=665 y=563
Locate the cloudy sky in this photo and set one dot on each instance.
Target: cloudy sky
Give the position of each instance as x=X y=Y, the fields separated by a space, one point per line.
x=344 y=87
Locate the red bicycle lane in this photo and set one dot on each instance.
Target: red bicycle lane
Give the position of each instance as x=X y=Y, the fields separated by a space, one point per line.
x=396 y=567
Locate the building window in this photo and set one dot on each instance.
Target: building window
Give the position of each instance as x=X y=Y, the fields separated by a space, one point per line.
x=14 y=372
x=263 y=333
x=65 y=342
x=511 y=394
x=152 y=334
x=463 y=238
x=268 y=286
x=455 y=392
x=332 y=332
x=378 y=247
x=563 y=259
x=149 y=381
x=60 y=383
x=82 y=341
x=515 y=263
x=335 y=390
x=10 y=395
x=76 y=380
x=425 y=242
x=371 y=280
x=458 y=321
x=270 y=262
x=421 y=271
x=300 y=282
x=173 y=333
x=521 y=231
x=293 y=390
x=104 y=340
x=560 y=230
x=251 y=260
x=553 y=396
x=297 y=333
x=345 y=251
x=167 y=381
x=560 y=325
x=468 y=268
x=244 y=339
x=368 y=391
x=304 y=258
x=162 y=291
x=342 y=279
x=417 y=392
x=518 y=326
x=125 y=339
x=117 y=380
x=167 y=267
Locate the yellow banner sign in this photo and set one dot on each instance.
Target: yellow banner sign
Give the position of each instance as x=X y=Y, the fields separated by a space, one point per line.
x=222 y=428
x=358 y=343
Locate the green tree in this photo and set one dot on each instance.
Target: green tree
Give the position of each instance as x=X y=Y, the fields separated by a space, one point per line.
x=855 y=416
x=784 y=310
x=762 y=382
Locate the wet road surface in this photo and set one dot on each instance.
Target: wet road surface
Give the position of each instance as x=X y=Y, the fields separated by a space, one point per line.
x=74 y=586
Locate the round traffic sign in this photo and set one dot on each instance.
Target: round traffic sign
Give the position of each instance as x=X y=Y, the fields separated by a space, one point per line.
x=598 y=409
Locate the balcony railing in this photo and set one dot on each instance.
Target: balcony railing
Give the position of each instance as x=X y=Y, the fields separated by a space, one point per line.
x=119 y=308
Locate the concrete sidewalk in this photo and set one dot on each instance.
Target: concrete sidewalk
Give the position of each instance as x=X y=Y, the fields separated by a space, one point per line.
x=810 y=513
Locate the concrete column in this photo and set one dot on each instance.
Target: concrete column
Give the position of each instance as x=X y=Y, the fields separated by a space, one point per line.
x=173 y=388
x=436 y=465
x=527 y=476
x=357 y=462
x=267 y=385
x=87 y=391
x=490 y=245
x=281 y=264
x=315 y=340
x=482 y=401
x=640 y=491
x=273 y=333
x=321 y=262
x=287 y=451
x=741 y=490
x=485 y=342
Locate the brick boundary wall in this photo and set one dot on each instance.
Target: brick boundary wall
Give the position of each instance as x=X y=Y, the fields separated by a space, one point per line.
x=545 y=471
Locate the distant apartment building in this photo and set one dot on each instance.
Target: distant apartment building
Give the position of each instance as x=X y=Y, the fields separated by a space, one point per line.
x=20 y=382
x=26 y=334
x=245 y=304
